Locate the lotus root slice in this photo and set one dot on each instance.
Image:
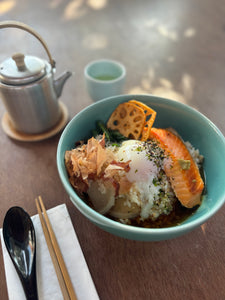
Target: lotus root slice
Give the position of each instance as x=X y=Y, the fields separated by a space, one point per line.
x=128 y=119
x=150 y=115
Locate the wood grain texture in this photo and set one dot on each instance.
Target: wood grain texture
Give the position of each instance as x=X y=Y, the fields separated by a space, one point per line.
x=170 y=48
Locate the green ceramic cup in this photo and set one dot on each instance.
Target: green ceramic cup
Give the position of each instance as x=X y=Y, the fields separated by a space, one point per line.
x=104 y=78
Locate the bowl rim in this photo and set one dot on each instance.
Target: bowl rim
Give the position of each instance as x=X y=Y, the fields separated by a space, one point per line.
x=105 y=221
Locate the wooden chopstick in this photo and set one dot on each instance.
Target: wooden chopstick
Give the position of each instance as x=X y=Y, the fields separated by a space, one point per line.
x=54 y=250
x=53 y=255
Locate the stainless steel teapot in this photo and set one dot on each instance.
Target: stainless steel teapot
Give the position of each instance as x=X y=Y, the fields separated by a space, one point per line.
x=28 y=88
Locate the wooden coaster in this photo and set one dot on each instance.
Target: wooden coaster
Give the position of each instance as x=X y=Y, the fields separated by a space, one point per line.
x=24 y=137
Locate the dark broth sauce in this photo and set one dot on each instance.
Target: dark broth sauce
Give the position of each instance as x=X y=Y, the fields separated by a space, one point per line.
x=178 y=215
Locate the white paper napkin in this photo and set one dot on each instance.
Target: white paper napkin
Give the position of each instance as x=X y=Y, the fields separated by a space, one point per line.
x=48 y=286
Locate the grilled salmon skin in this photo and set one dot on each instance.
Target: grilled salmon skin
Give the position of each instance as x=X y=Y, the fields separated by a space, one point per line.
x=180 y=168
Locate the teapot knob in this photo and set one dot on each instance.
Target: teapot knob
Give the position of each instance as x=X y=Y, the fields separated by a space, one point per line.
x=19 y=60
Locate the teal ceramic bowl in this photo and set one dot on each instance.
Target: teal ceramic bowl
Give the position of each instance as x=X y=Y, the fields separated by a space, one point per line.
x=191 y=125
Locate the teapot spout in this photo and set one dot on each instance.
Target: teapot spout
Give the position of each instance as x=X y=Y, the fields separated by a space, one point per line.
x=60 y=81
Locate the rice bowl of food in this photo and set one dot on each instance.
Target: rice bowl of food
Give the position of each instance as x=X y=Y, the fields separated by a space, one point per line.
x=143 y=167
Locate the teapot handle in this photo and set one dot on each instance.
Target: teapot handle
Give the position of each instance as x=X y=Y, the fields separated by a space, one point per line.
x=20 y=25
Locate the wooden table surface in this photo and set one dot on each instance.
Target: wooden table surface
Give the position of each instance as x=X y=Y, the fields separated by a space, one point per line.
x=170 y=48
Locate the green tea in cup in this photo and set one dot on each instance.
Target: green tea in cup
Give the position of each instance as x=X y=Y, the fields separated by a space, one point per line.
x=105 y=77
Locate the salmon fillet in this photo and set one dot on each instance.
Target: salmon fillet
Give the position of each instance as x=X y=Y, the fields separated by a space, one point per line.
x=185 y=180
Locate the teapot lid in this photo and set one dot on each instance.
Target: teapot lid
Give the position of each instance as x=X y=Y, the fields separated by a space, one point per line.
x=20 y=69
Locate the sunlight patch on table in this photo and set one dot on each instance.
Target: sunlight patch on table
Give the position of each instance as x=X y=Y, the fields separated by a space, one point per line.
x=165 y=92
x=203 y=228
x=6 y=6
x=163 y=87
x=189 y=32
x=145 y=84
x=95 y=41
x=171 y=59
x=55 y=3
x=150 y=23
x=97 y=4
x=78 y=8
x=164 y=30
x=170 y=34
x=151 y=74
x=160 y=91
x=74 y=10
x=187 y=84
x=165 y=83
x=159 y=27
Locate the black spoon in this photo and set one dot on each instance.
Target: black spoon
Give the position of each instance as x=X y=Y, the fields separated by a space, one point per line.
x=19 y=237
